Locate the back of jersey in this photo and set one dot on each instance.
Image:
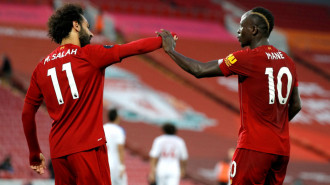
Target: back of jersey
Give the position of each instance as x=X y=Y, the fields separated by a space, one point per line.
x=266 y=79
x=115 y=135
x=72 y=89
x=169 y=149
x=264 y=98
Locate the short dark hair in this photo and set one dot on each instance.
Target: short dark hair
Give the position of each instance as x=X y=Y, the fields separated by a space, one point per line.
x=60 y=23
x=268 y=15
x=169 y=129
x=112 y=114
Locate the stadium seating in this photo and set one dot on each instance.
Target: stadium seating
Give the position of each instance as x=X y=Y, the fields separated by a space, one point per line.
x=12 y=138
x=294 y=15
x=196 y=9
x=29 y=2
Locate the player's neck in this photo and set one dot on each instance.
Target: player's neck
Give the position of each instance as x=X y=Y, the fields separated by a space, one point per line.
x=71 y=40
x=260 y=42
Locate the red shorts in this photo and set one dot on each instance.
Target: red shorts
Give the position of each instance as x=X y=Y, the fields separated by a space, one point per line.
x=86 y=167
x=250 y=167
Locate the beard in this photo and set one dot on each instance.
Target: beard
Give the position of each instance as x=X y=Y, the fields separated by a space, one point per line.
x=244 y=44
x=84 y=38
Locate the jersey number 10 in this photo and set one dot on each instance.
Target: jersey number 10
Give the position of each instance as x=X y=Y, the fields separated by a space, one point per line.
x=271 y=85
x=73 y=87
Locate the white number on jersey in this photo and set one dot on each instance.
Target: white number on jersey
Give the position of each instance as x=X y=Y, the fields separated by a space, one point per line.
x=168 y=153
x=271 y=84
x=73 y=87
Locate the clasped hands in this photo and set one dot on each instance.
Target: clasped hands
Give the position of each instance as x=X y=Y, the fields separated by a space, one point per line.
x=168 y=39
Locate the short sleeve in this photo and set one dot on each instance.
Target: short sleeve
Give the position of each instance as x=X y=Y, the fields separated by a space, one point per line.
x=237 y=63
x=102 y=56
x=155 y=149
x=121 y=136
x=184 y=153
x=34 y=95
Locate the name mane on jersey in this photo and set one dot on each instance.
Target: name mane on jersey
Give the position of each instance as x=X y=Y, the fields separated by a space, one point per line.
x=274 y=55
x=60 y=55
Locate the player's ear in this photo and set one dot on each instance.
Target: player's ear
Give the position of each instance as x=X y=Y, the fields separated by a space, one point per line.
x=76 y=26
x=254 y=30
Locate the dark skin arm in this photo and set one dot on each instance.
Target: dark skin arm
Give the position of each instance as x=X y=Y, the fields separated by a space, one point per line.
x=294 y=103
x=152 y=173
x=194 y=67
x=183 y=164
x=211 y=69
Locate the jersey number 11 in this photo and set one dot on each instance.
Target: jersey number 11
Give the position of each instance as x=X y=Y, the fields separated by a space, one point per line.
x=73 y=87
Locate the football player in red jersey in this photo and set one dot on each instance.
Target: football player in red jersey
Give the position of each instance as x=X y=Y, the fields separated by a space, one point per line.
x=70 y=80
x=269 y=98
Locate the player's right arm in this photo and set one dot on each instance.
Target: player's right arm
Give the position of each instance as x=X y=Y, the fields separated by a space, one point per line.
x=183 y=164
x=192 y=66
x=32 y=102
x=153 y=165
x=294 y=103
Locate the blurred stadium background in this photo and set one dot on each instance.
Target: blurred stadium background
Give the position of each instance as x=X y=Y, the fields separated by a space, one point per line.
x=150 y=89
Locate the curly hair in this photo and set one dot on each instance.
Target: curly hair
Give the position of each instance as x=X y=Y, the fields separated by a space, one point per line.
x=169 y=129
x=266 y=19
x=60 y=23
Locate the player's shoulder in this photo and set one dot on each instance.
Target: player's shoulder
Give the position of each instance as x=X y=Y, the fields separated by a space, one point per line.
x=109 y=126
x=175 y=138
x=243 y=52
x=161 y=138
x=90 y=46
x=106 y=126
x=115 y=128
x=120 y=129
x=48 y=58
x=239 y=55
x=179 y=139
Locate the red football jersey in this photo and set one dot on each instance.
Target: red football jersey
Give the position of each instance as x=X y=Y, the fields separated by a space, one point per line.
x=70 y=80
x=266 y=77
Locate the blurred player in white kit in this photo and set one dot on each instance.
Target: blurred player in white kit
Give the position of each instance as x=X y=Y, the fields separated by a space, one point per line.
x=115 y=136
x=168 y=158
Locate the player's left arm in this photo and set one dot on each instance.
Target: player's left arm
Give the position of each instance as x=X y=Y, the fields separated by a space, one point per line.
x=121 y=151
x=294 y=103
x=192 y=66
x=104 y=56
x=183 y=158
x=141 y=46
